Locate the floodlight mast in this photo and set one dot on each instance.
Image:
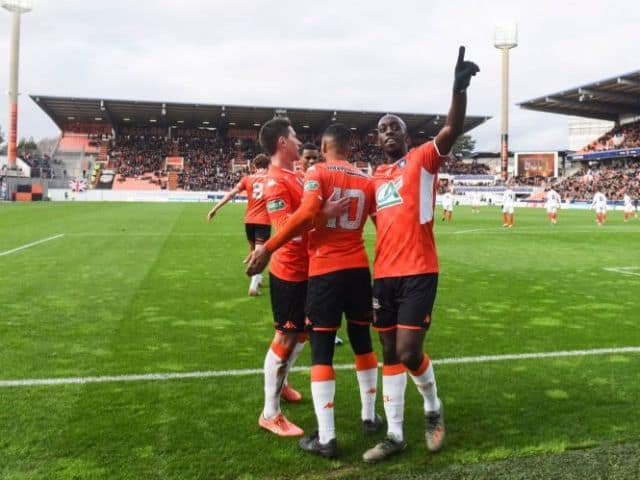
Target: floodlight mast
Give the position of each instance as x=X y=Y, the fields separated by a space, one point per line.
x=506 y=38
x=17 y=8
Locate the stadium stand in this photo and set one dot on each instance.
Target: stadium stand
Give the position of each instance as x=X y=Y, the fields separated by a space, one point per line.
x=215 y=142
x=610 y=180
x=619 y=137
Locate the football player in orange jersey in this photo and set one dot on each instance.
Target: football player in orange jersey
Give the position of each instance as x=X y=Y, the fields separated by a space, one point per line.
x=406 y=264
x=256 y=220
x=339 y=282
x=309 y=156
x=288 y=273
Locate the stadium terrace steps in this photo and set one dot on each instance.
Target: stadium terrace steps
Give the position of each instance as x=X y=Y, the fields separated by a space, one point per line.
x=142 y=183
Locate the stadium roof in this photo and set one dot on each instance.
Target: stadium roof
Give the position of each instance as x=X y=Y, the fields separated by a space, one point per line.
x=121 y=113
x=607 y=99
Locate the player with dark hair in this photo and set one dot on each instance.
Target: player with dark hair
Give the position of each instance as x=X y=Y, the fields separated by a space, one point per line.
x=256 y=219
x=339 y=282
x=288 y=273
x=309 y=155
x=406 y=264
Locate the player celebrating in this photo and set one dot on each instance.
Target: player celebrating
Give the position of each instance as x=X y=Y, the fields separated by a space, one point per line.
x=256 y=219
x=599 y=203
x=339 y=282
x=406 y=264
x=629 y=207
x=288 y=276
x=447 y=207
x=553 y=203
x=508 y=207
x=308 y=156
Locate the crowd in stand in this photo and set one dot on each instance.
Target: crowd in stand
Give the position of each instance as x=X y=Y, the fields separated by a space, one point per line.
x=624 y=136
x=612 y=180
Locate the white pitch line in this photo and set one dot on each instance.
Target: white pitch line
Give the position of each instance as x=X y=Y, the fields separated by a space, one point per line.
x=258 y=371
x=623 y=270
x=28 y=245
x=459 y=232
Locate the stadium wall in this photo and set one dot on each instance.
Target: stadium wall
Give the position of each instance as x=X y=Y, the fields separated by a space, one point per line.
x=58 y=194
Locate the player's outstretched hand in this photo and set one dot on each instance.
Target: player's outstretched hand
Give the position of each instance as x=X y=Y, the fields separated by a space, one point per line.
x=334 y=208
x=463 y=73
x=211 y=214
x=257 y=260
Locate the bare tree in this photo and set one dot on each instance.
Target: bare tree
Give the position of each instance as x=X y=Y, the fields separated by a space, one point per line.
x=46 y=146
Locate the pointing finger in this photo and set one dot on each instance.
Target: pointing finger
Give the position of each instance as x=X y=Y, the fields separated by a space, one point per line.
x=461 y=54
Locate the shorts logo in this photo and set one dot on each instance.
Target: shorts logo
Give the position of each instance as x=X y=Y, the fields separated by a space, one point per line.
x=376 y=304
x=275 y=205
x=311 y=185
x=388 y=194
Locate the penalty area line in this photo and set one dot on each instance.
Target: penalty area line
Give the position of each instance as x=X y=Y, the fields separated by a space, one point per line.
x=29 y=245
x=258 y=371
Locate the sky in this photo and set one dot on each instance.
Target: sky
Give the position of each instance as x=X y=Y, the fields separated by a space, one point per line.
x=336 y=54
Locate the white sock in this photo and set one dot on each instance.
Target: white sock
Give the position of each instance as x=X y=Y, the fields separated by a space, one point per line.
x=292 y=359
x=367 y=380
x=393 y=388
x=426 y=383
x=259 y=275
x=367 y=373
x=253 y=286
x=275 y=370
x=323 y=389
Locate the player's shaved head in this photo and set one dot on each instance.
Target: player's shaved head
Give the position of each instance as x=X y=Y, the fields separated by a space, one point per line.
x=392 y=117
x=336 y=141
x=392 y=137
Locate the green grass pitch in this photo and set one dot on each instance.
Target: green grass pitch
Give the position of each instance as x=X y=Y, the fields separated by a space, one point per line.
x=147 y=288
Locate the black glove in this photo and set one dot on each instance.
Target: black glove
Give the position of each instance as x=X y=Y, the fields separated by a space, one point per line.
x=463 y=73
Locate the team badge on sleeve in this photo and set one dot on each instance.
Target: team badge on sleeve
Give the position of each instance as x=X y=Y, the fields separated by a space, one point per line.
x=275 y=205
x=311 y=185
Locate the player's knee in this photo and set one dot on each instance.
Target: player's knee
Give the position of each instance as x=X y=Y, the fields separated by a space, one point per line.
x=287 y=339
x=322 y=347
x=360 y=338
x=411 y=358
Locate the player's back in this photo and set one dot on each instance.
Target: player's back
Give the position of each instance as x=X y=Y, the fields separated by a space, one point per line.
x=256 y=212
x=339 y=244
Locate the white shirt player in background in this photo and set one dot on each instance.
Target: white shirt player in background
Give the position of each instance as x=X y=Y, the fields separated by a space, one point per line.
x=508 y=207
x=600 y=205
x=447 y=207
x=629 y=207
x=553 y=204
x=475 y=202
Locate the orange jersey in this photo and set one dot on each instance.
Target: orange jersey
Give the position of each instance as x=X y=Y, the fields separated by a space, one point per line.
x=257 y=207
x=337 y=244
x=283 y=194
x=405 y=200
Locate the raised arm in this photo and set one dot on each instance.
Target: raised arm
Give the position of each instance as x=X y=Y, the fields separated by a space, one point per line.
x=225 y=199
x=454 y=124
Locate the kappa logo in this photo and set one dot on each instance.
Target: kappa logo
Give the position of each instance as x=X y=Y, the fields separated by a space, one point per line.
x=328 y=405
x=289 y=325
x=388 y=194
x=376 y=303
x=275 y=205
